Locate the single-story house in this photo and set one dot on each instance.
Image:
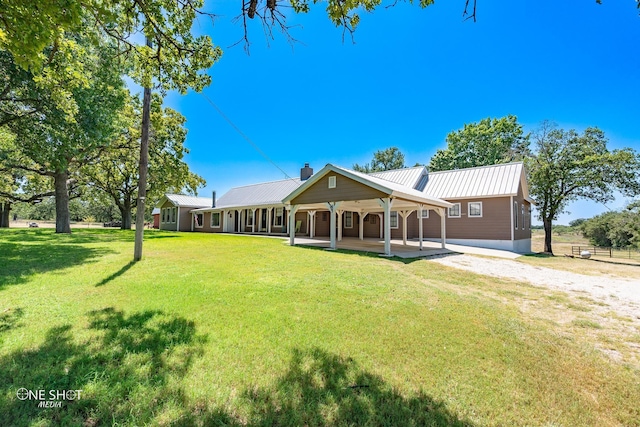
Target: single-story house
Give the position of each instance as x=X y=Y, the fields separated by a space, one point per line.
x=485 y=206
x=175 y=211
x=155 y=213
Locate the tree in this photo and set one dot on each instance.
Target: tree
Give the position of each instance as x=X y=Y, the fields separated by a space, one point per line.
x=115 y=172
x=566 y=166
x=51 y=144
x=487 y=142
x=618 y=229
x=383 y=160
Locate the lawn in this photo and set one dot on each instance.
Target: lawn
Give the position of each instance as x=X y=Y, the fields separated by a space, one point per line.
x=236 y=330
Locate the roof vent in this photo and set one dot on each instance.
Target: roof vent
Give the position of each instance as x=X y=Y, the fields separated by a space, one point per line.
x=305 y=172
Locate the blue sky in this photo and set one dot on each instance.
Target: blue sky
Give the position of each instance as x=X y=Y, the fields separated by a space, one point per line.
x=412 y=76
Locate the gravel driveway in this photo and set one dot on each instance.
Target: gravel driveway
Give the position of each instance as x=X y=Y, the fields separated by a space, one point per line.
x=622 y=295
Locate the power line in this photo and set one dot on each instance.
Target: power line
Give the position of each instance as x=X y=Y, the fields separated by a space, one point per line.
x=243 y=135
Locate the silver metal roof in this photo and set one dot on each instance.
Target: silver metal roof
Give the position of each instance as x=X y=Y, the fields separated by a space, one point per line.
x=189 y=201
x=262 y=194
x=485 y=181
x=409 y=177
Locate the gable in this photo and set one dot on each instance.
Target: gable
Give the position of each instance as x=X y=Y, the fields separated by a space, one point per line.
x=346 y=189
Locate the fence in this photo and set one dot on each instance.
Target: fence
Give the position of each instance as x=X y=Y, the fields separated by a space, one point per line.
x=607 y=252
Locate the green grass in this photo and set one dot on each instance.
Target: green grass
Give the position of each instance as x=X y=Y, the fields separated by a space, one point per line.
x=235 y=330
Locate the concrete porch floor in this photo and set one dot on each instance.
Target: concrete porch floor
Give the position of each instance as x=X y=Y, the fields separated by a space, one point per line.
x=411 y=250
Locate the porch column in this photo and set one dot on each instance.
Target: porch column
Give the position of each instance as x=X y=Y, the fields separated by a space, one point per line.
x=381 y=221
x=239 y=211
x=420 y=227
x=253 y=221
x=339 y=212
x=269 y=220
x=443 y=227
x=192 y=220
x=292 y=225
x=386 y=203
x=333 y=207
x=361 y=216
x=404 y=215
x=312 y=224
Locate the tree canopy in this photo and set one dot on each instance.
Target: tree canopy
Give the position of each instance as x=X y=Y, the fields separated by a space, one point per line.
x=383 y=160
x=487 y=142
x=566 y=166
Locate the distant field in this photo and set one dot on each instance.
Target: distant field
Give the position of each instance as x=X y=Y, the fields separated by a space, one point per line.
x=237 y=330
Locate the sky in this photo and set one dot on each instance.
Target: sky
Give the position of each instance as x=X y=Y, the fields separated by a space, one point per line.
x=409 y=77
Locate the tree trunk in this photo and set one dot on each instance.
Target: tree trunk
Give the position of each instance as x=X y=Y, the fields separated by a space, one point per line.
x=547 y=235
x=125 y=214
x=5 y=208
x=63 y=224
x=144 y=164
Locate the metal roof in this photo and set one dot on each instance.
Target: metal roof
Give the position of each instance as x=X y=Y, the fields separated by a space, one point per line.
x=408 y=177
x=155 y=211
x=188 y=201
x=262 y=194
x=485 y=181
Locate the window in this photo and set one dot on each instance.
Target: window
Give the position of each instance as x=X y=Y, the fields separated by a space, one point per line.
x=454 y=211
x=278 y=221
x=162 y=214
x=249 y=217
x=425 y=213
x=332 y=182
x=373 y=219
x=348 y=219
x=515 y=214
x=198 y=220
x=394 y=219
x=325 y=216
x=475 y=209
x=215 y=219
x=522 y=209
x=529 y=216
x=175 y=212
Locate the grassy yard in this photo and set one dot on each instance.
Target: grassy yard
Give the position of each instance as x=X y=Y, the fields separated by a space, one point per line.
x=235 y=330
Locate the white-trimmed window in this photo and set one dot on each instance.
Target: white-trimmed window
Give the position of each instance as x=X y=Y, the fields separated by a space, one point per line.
x=348 y=219
x=198 y=220
x=162 y=215
x=474 y=209
x=425 y=213
x=515 y=214
x=215 y=219
x=175 y=214
x=278 y=219
x=249 y=217
x=332 y=181
x=394 y=219
x=454 y=211
x=523 y=222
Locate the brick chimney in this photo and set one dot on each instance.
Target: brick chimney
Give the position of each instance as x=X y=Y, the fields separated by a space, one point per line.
x=305 y=172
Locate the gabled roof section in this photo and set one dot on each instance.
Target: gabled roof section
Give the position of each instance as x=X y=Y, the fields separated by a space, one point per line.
x=409 y=177
x=262 y=194
x=186 y=201
x=485 y=181
x=391 y=188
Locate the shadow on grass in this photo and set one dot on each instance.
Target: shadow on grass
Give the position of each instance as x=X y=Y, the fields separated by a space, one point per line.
x=10 y=318
x=79 y=236
x=129 y=371
x=21 y=260
x=117 y=274
x=376 y=255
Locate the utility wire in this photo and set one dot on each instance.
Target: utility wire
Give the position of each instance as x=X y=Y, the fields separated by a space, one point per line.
x=246 y=138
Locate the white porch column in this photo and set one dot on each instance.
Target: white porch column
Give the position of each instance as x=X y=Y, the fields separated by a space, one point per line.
x=361 y=216
x=253 y=221
x=333 y=207
x=269 y=220
x=292 y=224
x=192 y=220
x=386 y=206
x=420 y=226
x=339 y=212
x=404 y=215
x=312 y=224
x=240 y=227
x=178 y=218
x=443 y=227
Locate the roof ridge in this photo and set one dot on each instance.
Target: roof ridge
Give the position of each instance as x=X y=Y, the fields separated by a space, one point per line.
x=266 y=182
x=479 y=167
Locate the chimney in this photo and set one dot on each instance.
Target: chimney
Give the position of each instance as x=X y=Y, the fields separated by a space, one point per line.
x=305 y=172
x=213 y=200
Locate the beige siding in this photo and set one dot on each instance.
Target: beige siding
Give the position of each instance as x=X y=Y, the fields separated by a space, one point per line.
x=185 y=219
x=346 y=189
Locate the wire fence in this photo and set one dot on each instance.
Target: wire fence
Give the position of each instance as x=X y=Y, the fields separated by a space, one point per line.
x=609 y=252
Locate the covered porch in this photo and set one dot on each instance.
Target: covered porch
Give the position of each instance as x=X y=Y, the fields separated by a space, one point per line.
x=410 y=249
x=338 y=190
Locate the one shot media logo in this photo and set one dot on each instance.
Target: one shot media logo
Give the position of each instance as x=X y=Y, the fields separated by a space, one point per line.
x=48 y=398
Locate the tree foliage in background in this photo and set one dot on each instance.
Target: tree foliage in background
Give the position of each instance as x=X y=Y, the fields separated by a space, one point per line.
x=383 y=160
x=115 y=172
x=566 y=166
x=617 y=229
x=487 y=142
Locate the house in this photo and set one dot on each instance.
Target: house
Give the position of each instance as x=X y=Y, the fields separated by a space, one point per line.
x=175 y=211
x=485 y=206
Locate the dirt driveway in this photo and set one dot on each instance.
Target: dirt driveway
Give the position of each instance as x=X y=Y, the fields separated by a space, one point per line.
x=621 y=295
